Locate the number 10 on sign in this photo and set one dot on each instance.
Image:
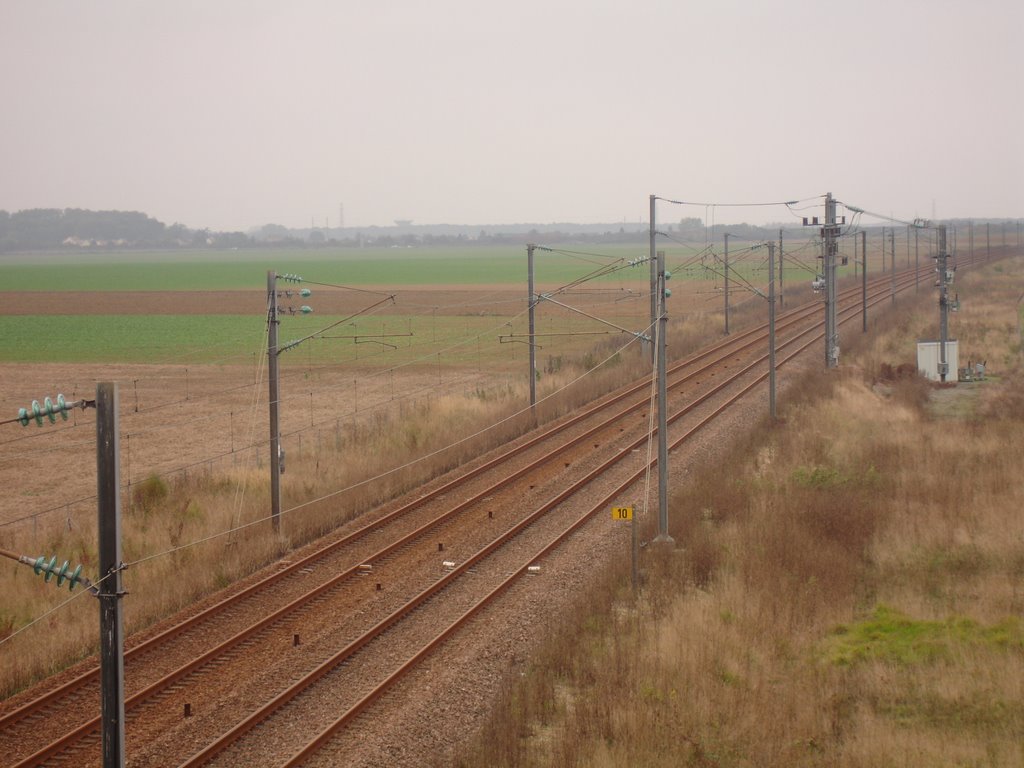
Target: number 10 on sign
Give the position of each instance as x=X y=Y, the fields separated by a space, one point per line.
x=622 y=513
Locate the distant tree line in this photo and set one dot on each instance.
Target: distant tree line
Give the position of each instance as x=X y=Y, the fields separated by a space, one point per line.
x=51 y=229
x=400 y=237
x=48 y=229
x=482 y=238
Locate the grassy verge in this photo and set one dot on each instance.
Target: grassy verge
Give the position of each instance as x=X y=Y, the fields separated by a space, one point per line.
x=849 y=594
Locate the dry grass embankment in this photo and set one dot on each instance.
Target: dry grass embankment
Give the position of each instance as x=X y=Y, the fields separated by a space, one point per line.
x=851 y=593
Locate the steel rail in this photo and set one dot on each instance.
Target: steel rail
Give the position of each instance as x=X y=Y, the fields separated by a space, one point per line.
x=83 y=730
x=791 y=317
x=327 y=734
x=282 y=699
x=62 y=692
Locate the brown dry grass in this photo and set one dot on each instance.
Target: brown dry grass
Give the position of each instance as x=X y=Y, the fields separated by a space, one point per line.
x=872 y=518
x=365 y=453
x=220 y=495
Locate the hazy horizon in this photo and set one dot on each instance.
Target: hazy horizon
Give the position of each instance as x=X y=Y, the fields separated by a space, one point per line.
x=231 y=115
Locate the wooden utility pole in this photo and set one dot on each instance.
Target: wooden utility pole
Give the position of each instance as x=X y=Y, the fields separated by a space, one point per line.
x=108 y=494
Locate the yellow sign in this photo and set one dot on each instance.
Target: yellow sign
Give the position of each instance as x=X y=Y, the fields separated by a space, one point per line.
x=622 y=513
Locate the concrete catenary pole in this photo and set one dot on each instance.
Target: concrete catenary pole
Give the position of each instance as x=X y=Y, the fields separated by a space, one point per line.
x=663 y=535
x=864 y=281
x=917 y=262
x=781 y=302
x=892 y=258
x=108 y=486
x=771 y=330
x=532 y=305
x=273 y=374
x=653 y=256
x=830 y=247
x=943 y=306
x=726 y=271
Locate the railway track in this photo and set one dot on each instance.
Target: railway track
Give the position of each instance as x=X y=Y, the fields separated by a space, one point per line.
x=354 y=575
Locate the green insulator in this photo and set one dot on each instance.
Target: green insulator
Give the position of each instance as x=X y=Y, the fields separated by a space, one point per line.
x=305 y=309
x=63 y=406
x=305 y=293
x=75 y=578
x=668 y=275
x=668 y=293
x=23 y=417
x=37 y=413
x=50 y=413
x=49 y=569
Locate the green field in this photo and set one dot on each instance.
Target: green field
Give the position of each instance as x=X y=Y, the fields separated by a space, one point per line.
x=246 y=269
x=125 y=338
x=228 y=270
x=236 y=339
x=378 y=340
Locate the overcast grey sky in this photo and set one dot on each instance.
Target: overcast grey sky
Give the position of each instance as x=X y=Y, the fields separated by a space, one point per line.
x=233 y=113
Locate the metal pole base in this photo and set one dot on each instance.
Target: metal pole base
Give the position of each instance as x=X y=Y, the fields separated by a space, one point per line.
x=663 y=539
